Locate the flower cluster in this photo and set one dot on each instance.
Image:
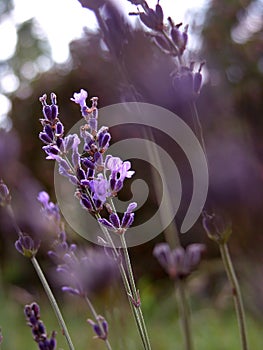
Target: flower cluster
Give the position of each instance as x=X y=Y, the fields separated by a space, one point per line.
x=173 y=41
x=179 y=262
x=97 y=179
x=32 y=314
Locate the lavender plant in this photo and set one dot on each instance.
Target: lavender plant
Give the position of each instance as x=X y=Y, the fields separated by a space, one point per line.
x=97 y=182
x=98 y=178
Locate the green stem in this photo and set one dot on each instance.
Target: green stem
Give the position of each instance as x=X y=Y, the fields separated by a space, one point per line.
x=52 y=302
x=97 y=318
x=134 y=310
x=185 y=315
x=134 y=290
x=127 y=286
x=236 y=293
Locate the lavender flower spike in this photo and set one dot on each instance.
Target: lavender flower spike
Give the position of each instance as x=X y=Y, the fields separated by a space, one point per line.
x=32 y=314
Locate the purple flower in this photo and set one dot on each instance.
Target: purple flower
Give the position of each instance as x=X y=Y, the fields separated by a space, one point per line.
x=118 y=168
x=179 y=262
x=26 y=246
x=80 y=98
x=114 y=222
x=50 y=112
x=153 y=19
x=32 y=314
x=50 y=209
x=100 y=188
x=83 y=272
x=100 y=327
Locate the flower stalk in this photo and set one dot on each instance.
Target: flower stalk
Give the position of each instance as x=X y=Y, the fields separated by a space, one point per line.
x=53 y=302
x=184 y=311
x=236 y=293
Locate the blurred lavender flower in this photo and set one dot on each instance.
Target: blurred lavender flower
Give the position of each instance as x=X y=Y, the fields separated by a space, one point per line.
x=5 y=196
x=179 y=262
x=84 y=272
x=32 y=314
x=216 y=227
x=187 y=83
x=26 y=246
x=49 y=209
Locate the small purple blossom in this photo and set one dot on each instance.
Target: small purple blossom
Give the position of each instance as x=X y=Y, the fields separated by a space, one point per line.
x=117 y=225
x=100 y=188
x=26 y=246
x=80 y=98
x=100 y=327
x=50 y=209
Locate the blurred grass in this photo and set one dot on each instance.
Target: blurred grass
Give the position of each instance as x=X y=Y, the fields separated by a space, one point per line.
x=214 y=329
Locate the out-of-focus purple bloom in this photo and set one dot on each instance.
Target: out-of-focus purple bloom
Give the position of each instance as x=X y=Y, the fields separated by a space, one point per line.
x=179 y=262
x=179 y=38
x=5 y=196
x=32 y=314
x=153 y=19
x=82 y=273
x=61 y=248
x=50 y=209
x=216 y=228
x=26 y=246
x=186 y=83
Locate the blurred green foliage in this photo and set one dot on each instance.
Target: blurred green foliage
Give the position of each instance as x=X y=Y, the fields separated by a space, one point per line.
x=213 y=328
